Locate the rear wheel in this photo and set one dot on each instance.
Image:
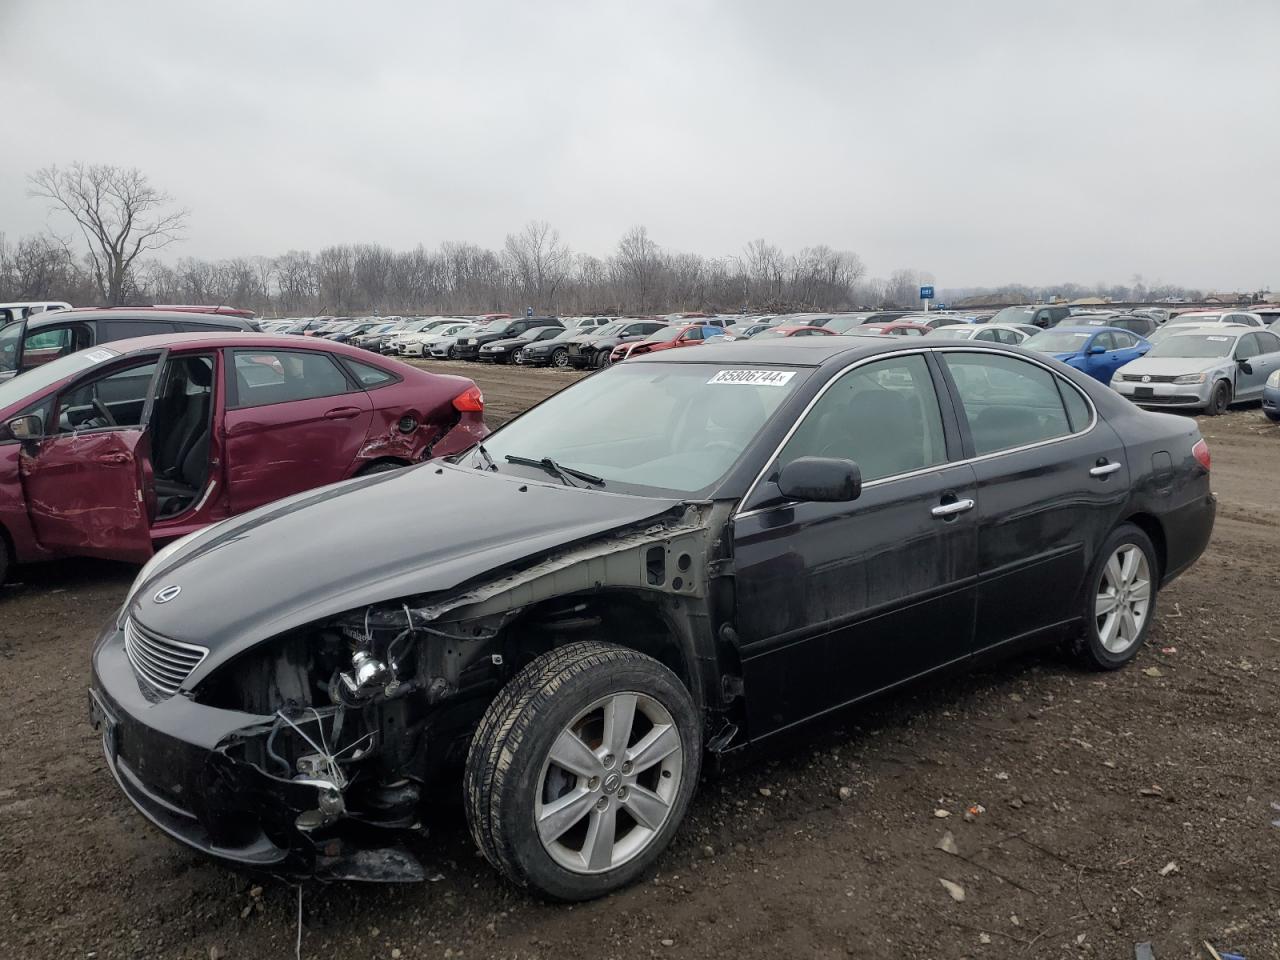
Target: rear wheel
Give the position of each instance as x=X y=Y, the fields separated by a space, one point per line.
x=1219 y=400
x=560 y=357
x=1121 y=599
x=581 y=770
x=518 y=357
x=1273 y=417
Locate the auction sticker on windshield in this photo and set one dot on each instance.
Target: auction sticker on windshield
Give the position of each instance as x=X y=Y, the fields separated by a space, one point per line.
x=1219 y=339
x=761 y=378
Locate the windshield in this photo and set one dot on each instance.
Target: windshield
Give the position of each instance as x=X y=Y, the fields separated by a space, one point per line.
x=1058 y=341
x=1194 y=345
x=1195 y=318
x=652 y=428
x=1014 y=315
x=663 y=336
x=952 y=332
x=34 y=380
x=497 y=326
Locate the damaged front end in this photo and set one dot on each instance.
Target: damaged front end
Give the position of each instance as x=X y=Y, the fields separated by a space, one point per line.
x=313 y=753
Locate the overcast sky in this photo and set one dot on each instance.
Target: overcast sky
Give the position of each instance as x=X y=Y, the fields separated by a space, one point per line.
x=983 y=142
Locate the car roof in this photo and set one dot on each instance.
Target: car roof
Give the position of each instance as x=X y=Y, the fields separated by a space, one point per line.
x=1088 y=329
x=238 y=338
x=123 y=313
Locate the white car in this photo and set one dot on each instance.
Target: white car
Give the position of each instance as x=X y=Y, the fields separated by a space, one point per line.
x=420 y=344
x=407 y=343
x=1009 y=333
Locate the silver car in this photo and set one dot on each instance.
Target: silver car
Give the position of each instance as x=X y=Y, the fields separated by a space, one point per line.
x=1010 y=333
x=1202 y=369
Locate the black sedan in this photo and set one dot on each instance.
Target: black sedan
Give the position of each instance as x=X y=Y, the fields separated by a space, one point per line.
x=685 y=556
x=509 y=349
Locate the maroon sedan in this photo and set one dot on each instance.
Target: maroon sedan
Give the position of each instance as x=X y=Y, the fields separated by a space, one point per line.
x=896 y=328
x=112 y=450
x=793 y=330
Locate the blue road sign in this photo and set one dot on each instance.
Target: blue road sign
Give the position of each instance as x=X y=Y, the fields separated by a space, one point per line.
x=926 y=293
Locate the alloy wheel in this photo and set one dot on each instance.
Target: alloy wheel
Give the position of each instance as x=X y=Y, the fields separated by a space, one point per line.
x=560 y=358
x=1123 y=599
x=609 y=783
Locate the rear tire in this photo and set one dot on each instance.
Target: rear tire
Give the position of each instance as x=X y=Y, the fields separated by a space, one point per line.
x=559 y=801
x=560 y=357
x=1219 y=400
x=1120 y=599
x=1273 y=417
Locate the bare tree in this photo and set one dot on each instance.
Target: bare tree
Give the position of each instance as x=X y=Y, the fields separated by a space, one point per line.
x=119 y=213
x=637 y=265
x=539 y=262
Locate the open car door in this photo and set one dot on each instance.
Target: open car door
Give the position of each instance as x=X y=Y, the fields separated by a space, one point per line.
x=88 y=482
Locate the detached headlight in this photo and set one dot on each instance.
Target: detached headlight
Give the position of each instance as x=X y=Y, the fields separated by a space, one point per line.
x=1190 y=378
x=1273 y=381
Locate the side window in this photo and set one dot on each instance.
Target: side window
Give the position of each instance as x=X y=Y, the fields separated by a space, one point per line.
x=1078 y=411
x=1268 y=342
x=115 y=400
x=368 y=375
x=49 y=344
x=124 y=329
x=280 y=376
x=1107 y=341
x=693 y=333
x=1247 y=347
x=1124 y=340
x=1008 y=402
x=883 y=415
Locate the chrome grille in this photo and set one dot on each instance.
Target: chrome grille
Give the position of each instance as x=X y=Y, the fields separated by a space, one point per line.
x=1150 y=377
x=161 y=662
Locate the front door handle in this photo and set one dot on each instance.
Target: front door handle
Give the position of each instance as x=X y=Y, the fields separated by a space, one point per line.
x=1104 y=469
x=342 y=413
x=951 y=509
x=113 y=458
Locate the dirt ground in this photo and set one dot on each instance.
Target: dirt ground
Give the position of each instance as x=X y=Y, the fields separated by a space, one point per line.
x=1119 y=808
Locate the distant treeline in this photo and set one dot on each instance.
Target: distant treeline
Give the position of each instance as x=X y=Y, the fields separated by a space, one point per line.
x=534 y=269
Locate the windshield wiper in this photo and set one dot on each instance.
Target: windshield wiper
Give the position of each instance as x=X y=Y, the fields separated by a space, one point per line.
x=558 y=470
x=488 y=460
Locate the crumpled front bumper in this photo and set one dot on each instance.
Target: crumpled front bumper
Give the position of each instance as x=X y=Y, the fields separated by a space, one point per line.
x=174 y=760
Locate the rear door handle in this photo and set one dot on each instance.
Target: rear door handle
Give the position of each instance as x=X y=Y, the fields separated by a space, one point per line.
x=1104 y=469
x=951 y=509
x=342 y=413
x=113 y=458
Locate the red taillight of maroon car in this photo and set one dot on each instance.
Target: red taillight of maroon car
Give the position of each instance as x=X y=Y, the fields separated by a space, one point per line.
x=470 y=400
x=1201 y=452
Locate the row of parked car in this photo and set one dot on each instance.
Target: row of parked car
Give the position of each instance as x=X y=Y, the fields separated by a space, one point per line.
x=1106 y=344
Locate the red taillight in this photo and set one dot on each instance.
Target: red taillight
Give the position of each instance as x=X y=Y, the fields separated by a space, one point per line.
x=470 y=400
x=1201 y=452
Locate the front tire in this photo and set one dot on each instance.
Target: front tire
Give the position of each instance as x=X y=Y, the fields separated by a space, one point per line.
x=1219 y=400
x=1121 y=599
x=582 y=769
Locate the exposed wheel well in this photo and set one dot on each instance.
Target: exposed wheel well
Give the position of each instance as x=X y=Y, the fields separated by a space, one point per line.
x=381 y=464
x=621 y=618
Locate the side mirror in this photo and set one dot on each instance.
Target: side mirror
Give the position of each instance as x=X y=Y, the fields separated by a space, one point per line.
x=26 y=428
x=820 y=480
x=1094 y=351
x=1245 y=365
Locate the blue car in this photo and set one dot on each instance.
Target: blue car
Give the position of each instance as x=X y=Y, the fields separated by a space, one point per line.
x=1271 y=395
x=1097 y=351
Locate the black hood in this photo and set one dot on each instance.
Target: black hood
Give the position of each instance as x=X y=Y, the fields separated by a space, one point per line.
x=418 y=530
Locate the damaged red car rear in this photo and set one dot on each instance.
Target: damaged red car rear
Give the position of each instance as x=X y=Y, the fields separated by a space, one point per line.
x=112 y=450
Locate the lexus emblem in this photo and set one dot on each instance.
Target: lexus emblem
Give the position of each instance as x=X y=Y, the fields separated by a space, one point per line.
x=165 y=594
x=1146 y=378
